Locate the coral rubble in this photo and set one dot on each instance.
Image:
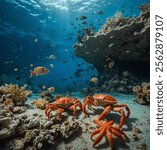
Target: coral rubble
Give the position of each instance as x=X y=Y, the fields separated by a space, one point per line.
x=142 y=93
x=25 y=131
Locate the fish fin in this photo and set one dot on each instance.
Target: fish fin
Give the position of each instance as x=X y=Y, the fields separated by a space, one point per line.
x=31 y=73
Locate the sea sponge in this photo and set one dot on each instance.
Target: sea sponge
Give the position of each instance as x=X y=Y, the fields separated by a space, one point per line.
x=17 y=94
x=142 y=93
x=40 y=103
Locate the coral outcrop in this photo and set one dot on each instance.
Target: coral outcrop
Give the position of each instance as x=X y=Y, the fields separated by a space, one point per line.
x=142 y=93
x=17 y=94
x=40 y=103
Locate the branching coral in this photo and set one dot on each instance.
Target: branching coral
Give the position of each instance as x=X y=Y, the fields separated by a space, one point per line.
x=40 y=103
x=17 y=94
x=142 y=93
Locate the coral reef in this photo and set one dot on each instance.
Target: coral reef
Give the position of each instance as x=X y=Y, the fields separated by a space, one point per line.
x=122 y=83
x=142 y=93
x=32 y=132
x=120 y=45
x=17 y=94
x=40 y=103
x=8 y=125
x=120 y=38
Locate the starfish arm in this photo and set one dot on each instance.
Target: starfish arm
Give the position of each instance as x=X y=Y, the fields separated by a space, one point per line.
x=109 y=137
x=99 y=137
x=116 y=133
x=96 y=131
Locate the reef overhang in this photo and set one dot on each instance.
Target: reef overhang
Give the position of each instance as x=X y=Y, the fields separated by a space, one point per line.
x=128 y=40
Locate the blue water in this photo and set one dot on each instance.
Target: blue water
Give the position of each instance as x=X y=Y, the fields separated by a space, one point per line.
x=31 y=30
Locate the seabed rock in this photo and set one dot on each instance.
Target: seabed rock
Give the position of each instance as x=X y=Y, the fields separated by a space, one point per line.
x=68 y=128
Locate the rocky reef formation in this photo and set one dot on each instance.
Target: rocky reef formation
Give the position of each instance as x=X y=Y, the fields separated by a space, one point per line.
x=142 y=93
x=18 y=95
x=120 y=38
x=118 y=50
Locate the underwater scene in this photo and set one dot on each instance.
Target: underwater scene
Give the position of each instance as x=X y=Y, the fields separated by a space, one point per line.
x=74 y=74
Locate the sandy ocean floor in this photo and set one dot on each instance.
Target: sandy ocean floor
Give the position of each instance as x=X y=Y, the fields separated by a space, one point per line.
x=139 y=118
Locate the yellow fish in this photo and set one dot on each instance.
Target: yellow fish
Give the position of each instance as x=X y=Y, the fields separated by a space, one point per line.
x=38 y=71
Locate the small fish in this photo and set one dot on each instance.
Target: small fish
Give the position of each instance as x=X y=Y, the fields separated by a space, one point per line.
x=31 y=65
x=82 y=17
x=39 y=71
x=16 y=69
x=52 y=57
x=51 y=65
x=64 y=62
x=8 y=62
x=108 y=59
x=36 y=40
x=93 y=79
x=111 y=64
x=51 y=89
x=51 y=45
x=43 y=86
x=100 y=12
